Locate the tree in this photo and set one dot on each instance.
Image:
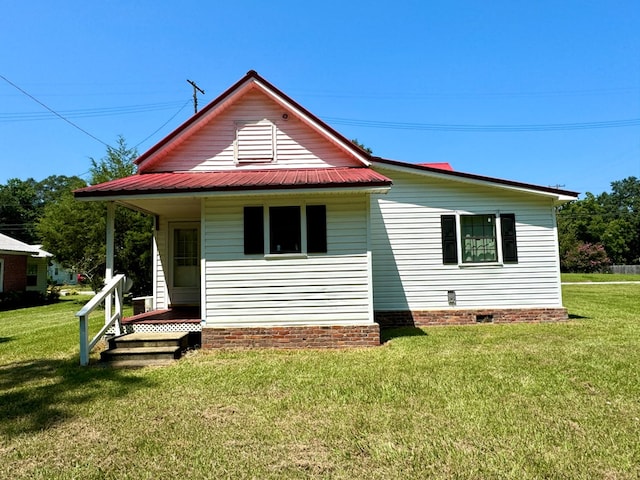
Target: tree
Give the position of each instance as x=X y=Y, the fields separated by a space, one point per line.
x=22 y=203
x=19 y=209
x=76 y=231
x=611 y=220
x=118 y=163
x=361 y=146
x=586 y=258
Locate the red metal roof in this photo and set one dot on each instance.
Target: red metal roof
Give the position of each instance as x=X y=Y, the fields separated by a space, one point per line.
x=233 y=180
x=438 y=165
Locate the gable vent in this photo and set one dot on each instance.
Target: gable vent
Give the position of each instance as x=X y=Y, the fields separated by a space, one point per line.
x=255 y=142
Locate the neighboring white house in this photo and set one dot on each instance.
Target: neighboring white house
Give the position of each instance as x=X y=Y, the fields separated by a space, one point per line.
x=60 y=275
x=282 y=231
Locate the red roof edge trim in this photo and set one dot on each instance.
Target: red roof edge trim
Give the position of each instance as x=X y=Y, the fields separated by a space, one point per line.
x=472 y=176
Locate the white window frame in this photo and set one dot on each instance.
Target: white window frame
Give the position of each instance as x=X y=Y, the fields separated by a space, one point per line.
x=497 y=239
x=269 y=129
x=303 y=230
x=459 y=239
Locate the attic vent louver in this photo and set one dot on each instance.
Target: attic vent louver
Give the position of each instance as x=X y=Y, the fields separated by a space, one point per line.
x=255 y=142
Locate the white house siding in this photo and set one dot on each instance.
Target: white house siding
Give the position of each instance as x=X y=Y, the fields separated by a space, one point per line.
x=408 y=270
x=161 y=254
x=41 y=264
x=323 y=289
x=211 y=147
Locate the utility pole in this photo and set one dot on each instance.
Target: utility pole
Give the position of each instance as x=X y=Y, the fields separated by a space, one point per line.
x=196 y=89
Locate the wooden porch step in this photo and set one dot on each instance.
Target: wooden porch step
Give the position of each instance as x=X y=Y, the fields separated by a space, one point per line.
x=143 y=349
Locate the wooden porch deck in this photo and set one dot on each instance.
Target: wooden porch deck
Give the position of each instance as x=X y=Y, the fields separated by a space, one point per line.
x=172 y=315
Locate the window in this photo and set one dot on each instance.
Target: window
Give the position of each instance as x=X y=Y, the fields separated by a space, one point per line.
x=255 y=142
x=286 y=225
x=478 y=238
x=186 y=257
x=284 y=230
x=485 y=238
x=32 y=274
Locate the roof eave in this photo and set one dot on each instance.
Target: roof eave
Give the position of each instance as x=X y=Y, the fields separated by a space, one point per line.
x=561 y=196
x=378 y=187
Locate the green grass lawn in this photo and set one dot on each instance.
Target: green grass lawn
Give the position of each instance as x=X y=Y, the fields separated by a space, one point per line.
x=486 y=401
x=599 y=277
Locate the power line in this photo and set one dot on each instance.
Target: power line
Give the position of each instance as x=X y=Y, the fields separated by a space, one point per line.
x=91 y=112
x=443 y=127
x=162 y=126
x=53 y=111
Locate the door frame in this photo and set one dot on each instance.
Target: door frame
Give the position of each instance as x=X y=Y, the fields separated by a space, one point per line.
x=184 y=295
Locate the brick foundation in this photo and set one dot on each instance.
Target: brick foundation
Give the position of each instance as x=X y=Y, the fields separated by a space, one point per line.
x=335 y=336
x=424 y=318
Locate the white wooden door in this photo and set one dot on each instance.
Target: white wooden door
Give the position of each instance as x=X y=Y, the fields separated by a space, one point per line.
x=184 y=248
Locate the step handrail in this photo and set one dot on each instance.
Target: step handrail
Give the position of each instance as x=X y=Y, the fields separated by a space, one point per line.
x=115 y=285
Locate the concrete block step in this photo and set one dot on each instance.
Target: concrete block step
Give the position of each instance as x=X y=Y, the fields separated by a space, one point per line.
x=164 y=339
x=141 y=353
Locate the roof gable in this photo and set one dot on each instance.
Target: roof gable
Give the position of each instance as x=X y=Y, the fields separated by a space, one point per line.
x=209 y=140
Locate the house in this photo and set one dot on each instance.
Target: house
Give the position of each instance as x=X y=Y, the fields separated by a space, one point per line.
x=279 y=231
x=23 y=268
x=60 y=275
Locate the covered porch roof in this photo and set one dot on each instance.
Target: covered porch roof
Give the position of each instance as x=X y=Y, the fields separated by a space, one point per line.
x=234 y=181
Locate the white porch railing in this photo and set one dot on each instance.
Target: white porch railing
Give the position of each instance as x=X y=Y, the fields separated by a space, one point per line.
x=115 y=285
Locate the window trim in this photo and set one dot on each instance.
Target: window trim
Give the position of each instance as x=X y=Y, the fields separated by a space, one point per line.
x=266 y=231
x=496 y=238
x=454 y=220
x=183 y=225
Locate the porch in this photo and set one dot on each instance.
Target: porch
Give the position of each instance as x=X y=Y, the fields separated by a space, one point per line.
x=175 y=319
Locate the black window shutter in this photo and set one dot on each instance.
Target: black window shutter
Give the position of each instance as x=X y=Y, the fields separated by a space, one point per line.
x=509 y=246
x=316 y=229
x=253 y=231
x=449 y=242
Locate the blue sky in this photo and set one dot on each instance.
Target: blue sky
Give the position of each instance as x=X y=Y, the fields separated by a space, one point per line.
x=437 y=81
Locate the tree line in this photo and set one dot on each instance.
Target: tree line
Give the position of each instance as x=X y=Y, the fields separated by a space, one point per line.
x=601 y=230
x=46 y=212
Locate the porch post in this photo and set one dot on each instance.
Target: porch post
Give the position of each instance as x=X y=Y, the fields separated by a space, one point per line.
x=111 y=214
x=108 y=274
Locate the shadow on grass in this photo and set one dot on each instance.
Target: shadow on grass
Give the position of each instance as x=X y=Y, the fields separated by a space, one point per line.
x=5 y=339
x=389 y=333
x=39 y=394
x=573 y=316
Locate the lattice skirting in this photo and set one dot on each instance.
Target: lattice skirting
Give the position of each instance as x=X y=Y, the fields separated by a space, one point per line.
x=158 y=327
